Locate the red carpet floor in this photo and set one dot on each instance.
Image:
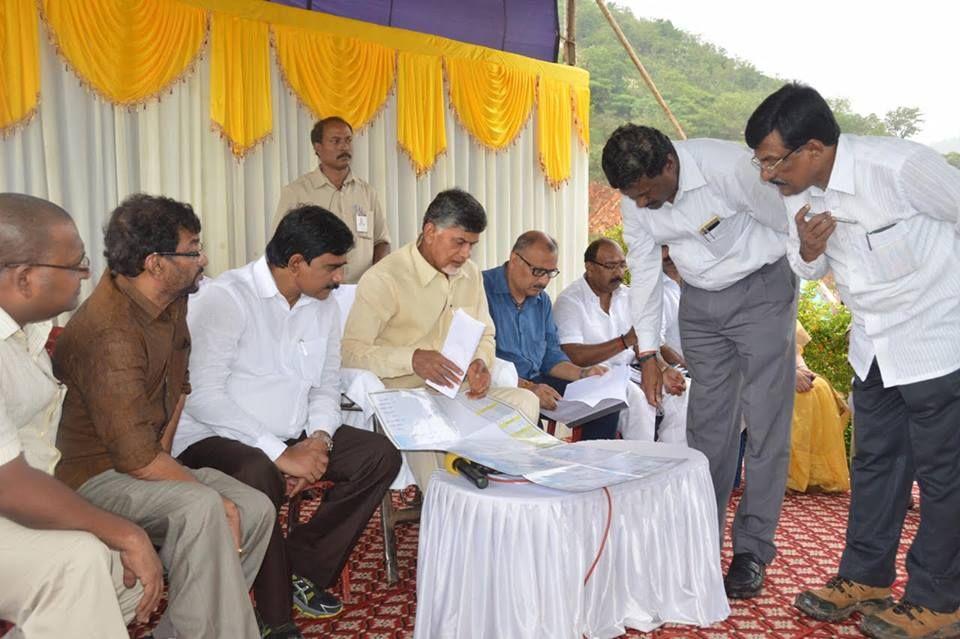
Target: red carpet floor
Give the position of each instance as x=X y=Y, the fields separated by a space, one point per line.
x=810 y=540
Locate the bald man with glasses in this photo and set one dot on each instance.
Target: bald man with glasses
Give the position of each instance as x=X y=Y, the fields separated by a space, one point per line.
x=526 y=332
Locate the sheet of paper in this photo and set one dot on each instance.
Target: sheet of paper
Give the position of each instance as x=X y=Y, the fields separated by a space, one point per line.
x=592 y=390
x=344 y=296
x=461 y=343
x=412 y=420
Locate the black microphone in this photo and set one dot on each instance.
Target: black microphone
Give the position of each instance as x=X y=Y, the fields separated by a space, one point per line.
x=459 y=465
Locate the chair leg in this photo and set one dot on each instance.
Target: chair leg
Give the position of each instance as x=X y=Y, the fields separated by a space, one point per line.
x=389 y=539
x=345 y=583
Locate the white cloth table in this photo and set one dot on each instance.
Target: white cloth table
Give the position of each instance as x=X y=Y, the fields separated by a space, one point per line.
x=510 y=561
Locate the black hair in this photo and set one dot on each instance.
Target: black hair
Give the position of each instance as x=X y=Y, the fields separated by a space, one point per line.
x=633 y=152
x=145 y=224
x=316 y=134
x=798 y=113
x=455 y=207
x=310 y=231
x=590 y=255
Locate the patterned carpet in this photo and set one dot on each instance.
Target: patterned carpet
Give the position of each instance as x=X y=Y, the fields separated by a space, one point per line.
x=810 y=540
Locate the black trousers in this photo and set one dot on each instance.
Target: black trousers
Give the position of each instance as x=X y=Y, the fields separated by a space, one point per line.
x=362 y=466
x=906 y=432
x=602 y=428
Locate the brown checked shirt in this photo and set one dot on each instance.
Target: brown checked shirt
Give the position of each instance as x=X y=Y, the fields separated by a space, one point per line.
x=124 y=363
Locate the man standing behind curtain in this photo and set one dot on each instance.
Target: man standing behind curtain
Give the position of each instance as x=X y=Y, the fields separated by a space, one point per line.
x=334 y=187
x=882 y=214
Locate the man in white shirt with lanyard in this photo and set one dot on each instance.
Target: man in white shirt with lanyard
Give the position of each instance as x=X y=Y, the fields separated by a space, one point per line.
x=593 y=326
x=726 y=234
x=265 y=406
x=883 y=214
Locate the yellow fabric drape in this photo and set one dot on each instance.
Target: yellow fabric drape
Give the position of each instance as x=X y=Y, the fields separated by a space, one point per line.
x=491 y=100
x=818 y=456
x=581 y=112
x=19 y=63
x=421 y=131
x=332 y=75
x=240 y=100
x=128 y=51
x=554 y=122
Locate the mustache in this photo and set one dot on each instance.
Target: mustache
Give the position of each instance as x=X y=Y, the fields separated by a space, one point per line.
x=333 y=287
x=344 y=156
x=617 y=280
x=778 y=182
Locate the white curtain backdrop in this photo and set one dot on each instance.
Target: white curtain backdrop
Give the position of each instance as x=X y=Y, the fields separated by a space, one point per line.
x=87 y=155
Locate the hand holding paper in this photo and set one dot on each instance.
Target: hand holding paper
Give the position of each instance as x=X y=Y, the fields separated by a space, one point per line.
x=459 y=347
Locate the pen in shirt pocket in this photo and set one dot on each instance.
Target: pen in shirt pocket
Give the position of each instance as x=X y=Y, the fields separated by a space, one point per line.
x=303 y=348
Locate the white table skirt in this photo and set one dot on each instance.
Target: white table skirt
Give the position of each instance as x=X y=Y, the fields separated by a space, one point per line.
x=508 y=562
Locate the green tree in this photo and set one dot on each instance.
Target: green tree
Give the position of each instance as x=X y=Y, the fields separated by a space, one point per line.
x=903 y=122
x=953 y=158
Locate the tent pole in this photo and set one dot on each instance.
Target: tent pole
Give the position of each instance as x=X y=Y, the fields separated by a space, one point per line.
x=643 y=71
x=570 y=41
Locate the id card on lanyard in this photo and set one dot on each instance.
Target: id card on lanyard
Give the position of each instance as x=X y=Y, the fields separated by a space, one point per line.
x=362 y=220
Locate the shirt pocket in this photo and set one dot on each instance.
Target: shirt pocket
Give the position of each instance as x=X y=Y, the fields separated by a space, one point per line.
x=888 y=254
x=312 y=355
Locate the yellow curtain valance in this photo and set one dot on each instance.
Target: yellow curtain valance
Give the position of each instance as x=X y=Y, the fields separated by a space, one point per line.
x=19 y=63
x=129 y=51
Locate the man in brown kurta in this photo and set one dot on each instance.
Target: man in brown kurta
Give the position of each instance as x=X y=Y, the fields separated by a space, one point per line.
x=123 y=358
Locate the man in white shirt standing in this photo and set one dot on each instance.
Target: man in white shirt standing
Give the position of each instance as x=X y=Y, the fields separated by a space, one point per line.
x=265 y=372
x=726 y=235
x=335 y=187
x=67 y=568
x=883 y=214
x=593 y=326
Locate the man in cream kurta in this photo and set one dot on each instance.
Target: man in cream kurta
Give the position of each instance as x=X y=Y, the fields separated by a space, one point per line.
x=334 y=187
x=405 y=303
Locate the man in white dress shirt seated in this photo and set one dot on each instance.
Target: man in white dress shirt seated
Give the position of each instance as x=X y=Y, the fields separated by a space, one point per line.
x=265 y=407
x=883 y=215
x=593 y=325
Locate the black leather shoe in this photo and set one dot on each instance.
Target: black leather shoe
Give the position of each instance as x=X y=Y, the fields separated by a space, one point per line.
x=744 y=580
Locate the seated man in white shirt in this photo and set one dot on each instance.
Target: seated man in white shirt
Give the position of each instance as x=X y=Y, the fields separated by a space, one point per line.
x=63 y=561
x=593 y=323
x=265 y=371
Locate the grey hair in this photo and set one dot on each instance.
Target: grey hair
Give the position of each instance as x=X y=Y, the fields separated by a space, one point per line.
x=455 y=207
x=531 y=238
x=25 y=223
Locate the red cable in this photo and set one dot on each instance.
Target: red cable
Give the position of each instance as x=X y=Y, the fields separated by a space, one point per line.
x=606 y=533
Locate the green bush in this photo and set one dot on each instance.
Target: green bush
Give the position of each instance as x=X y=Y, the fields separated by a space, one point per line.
x=827 y=325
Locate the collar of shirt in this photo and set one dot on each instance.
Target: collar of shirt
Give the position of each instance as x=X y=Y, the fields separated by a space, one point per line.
x=125 y=286
x=690 y=177
x=266 y=286
x=425 y=271
x=36 y=333
x=842 y=175
x=318 y=179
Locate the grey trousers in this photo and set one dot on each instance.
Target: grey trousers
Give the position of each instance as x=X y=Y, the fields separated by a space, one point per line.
x=906 y=432
x=209 y=582
x=740 y=348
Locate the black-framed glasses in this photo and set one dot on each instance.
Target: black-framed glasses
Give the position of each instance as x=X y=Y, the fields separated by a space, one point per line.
x=83 y=266
x=537 y=270
x=192 y=254
x=770 y=167
x=611 y=266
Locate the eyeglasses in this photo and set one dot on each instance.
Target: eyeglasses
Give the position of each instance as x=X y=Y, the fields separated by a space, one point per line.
x=611 y=266
x=538 y=271
x=770 y=167
x=191 y=254
x=83 y=266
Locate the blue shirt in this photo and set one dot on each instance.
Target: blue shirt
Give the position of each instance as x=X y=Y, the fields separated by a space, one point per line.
x=526 y=336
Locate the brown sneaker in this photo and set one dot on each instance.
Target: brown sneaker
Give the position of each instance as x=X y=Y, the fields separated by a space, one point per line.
x=840 y=598
x=910 y=621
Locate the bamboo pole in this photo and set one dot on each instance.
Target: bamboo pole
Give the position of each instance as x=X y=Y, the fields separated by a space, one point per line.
x=570 y=41
x=643 y=71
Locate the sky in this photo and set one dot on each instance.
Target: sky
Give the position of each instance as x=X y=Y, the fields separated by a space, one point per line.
x=879 y=55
